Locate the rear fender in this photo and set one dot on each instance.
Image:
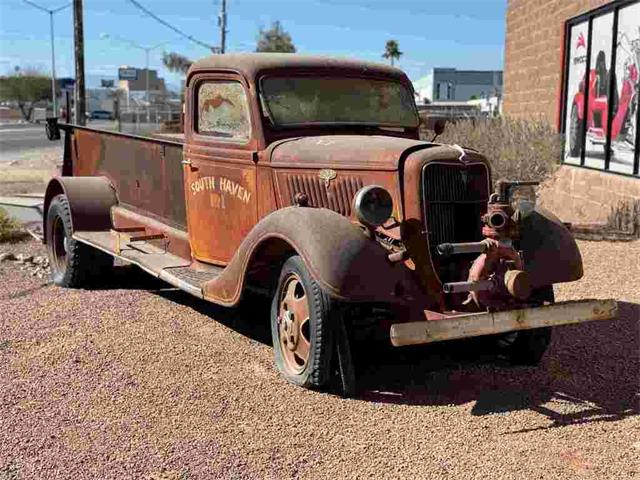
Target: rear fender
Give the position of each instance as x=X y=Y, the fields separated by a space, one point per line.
x=550 y=252
x=90 y=199
x=347 y=265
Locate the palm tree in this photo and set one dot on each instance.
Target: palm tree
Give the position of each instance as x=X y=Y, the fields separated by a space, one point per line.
x=392 y=51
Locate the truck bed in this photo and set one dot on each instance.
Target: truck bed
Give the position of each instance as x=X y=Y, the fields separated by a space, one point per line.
x=146 y=171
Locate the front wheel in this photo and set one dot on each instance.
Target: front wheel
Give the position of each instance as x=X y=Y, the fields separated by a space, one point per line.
x=73 y=264
x=300 y=326
x=527 y=347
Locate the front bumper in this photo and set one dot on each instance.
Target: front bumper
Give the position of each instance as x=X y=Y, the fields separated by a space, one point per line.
x=489 y=323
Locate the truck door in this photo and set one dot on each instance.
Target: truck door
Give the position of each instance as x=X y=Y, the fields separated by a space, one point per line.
x=219 y=170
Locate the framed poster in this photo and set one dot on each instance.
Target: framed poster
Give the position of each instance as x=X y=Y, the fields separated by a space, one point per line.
x=598 y=91
x=624 y=112
x=577 y=61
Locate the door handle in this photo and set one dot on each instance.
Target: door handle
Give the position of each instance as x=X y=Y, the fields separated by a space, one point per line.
x=186 y=161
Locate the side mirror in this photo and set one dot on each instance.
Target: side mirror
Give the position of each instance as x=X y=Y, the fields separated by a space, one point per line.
x=438 y=128
x=52 y=129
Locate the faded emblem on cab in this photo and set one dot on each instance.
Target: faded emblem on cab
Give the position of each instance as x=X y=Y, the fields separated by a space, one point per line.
x=326 y=175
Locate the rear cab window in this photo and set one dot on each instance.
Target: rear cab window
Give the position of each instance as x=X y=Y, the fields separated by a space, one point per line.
x=223 y=110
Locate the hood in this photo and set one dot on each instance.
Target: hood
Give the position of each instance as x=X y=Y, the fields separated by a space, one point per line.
x=356 y=152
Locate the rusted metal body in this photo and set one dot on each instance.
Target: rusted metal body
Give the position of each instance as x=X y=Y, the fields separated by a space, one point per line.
x=223 y=212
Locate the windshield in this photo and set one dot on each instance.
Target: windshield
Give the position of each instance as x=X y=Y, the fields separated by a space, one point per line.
x=359 y=101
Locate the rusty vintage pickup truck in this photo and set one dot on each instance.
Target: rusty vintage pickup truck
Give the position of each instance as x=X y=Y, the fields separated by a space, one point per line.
x=306 y=177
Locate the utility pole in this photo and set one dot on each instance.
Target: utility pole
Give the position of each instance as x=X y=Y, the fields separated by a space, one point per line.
x=78 y=36
x=53 y=53
x=222 y=22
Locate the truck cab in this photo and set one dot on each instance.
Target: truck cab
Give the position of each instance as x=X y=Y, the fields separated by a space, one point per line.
x=305 y=177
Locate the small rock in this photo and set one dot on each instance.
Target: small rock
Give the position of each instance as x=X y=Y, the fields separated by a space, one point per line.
x=8 y=256
x=22 y=258
x=38 y=260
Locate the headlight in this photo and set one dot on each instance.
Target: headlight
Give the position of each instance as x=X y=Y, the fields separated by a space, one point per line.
x=523 y=200
x=373 y=205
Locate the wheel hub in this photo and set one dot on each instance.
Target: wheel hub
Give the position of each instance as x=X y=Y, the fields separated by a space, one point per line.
x=293 y=318
x=290 y=330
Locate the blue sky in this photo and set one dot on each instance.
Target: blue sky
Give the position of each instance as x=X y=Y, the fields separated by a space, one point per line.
x=445 y=33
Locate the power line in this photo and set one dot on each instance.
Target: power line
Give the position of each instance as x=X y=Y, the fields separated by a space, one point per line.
x=168 y=25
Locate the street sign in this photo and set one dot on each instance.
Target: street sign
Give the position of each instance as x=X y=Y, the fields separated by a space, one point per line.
x=127 y=73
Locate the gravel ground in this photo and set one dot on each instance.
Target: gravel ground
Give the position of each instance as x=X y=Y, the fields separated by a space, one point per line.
x=137 y=380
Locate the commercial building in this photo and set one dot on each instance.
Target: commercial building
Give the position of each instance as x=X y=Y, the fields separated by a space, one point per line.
x=135 y=80
x=450 y=84
x=576 y=64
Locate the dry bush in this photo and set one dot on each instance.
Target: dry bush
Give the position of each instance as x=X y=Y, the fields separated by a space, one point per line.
x=517 y=149
x=625 y=217
x=10 y=229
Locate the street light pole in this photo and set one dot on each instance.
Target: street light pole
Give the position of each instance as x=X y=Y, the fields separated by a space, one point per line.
x=53 y=54
x=53 y=69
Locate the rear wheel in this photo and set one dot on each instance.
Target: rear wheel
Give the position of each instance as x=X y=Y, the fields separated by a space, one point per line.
x=300 y=326
x=73 y=264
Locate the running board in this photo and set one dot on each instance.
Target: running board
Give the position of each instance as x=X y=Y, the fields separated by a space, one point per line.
x=173 y=269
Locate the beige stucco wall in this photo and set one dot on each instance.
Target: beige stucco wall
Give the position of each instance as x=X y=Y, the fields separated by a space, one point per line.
x=580 y=195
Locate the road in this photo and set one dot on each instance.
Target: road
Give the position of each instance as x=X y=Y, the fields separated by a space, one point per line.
x=17 y=138
x=134 y=379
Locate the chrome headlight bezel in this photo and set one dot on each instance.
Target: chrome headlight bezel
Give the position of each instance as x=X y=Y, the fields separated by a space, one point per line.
x=373 y=205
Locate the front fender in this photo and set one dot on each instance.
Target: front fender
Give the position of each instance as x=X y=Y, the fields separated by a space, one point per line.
x=550 y=252
x=346 y=264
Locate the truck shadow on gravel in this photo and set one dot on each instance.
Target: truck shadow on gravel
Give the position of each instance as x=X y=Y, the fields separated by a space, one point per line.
x=590 y=372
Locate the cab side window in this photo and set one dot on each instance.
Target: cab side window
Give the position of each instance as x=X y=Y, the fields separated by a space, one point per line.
x=223 y=110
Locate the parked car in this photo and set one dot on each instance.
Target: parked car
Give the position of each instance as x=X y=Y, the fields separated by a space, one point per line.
x=304 y=178
x=100 y=115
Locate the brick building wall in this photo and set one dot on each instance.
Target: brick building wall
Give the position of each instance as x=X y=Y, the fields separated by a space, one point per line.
x=533 y=55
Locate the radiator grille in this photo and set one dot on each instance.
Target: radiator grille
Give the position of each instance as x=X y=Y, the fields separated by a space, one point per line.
x=454 y=198
x=338 y=197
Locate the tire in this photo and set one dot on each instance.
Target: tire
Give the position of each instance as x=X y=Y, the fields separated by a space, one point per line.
x=527 y=347
x=301 y=316
x=73 y=264
x=575 y=133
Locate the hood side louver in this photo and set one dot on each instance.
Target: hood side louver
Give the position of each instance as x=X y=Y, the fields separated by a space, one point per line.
x=338 y=196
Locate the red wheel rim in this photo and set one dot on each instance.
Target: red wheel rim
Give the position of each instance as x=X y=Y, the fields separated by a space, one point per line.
x=293 y=324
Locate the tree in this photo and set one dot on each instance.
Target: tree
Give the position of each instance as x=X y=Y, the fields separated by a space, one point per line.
x=26 y=89
x=176 y=62
x=276 y=39
x=392 y=51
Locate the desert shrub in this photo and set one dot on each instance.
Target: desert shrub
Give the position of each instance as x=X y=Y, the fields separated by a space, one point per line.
x=517 y=149
x=10 y=229
x=625 y=217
